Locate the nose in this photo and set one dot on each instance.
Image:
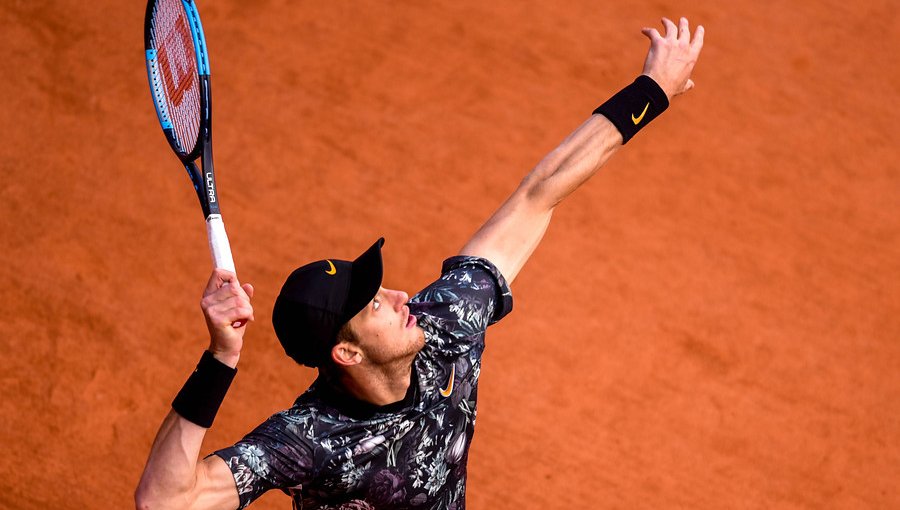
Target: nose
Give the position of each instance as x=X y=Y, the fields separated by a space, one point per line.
x=399 y=298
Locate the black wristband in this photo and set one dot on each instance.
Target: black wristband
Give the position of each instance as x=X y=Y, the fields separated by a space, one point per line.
x=203 y=393
x=634 y=106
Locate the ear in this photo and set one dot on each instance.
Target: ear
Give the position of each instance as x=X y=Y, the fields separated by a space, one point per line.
x=346 y=354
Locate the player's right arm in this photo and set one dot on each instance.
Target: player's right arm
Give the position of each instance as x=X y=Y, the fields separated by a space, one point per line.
x=173 y=476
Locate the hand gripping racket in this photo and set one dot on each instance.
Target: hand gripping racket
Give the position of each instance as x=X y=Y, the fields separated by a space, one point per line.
x=178 y=68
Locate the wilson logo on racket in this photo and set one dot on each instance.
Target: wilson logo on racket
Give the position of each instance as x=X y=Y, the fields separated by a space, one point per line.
x=180 y=76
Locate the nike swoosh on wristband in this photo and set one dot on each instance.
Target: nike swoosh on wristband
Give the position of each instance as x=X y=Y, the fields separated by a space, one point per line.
x=446 y=392
x=641 y=117
x=333 y=269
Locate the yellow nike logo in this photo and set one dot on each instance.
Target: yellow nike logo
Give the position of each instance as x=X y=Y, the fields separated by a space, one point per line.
x=446 y=392
x=639 y=119
x=333 y=270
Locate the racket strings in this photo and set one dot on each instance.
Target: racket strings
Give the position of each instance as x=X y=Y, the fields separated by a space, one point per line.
x=177 y=70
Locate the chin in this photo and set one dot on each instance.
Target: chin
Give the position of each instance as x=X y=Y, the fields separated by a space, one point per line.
x=419 y=339
x=416 y=344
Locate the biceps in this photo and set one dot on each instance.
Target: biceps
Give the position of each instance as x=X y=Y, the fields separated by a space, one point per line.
x=215 y=485
x=511 y=234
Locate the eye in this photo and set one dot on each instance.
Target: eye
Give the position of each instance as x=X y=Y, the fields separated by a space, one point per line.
x=376 y=304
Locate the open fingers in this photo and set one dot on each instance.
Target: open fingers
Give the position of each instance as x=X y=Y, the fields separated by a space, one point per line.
x=684 y=30
x=697 y=43
x=651 y=33
x=671 y=29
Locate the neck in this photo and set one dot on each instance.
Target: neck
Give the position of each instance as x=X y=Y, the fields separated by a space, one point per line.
x=378 y=385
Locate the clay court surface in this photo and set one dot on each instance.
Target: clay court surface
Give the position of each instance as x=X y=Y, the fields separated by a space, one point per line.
x=712 y=322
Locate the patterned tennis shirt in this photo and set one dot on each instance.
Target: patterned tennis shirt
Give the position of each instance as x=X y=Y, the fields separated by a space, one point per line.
x=331 y=452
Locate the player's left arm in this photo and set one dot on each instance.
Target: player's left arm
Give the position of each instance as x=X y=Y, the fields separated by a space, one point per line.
x=512 y=233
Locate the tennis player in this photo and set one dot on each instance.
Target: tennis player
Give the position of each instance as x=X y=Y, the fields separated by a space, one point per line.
x=389 y=420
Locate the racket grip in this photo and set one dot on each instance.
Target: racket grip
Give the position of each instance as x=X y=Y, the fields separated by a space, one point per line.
x=218 y=243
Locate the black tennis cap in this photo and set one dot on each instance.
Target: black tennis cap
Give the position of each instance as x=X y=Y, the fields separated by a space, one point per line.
x=319 y=298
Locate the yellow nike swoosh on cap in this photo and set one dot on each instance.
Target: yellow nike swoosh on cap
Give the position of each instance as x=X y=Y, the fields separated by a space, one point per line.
x=641 y=117
x=446 y=392
x=333 y=270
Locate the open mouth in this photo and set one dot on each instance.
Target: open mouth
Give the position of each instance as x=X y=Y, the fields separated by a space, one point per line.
x=410 y=320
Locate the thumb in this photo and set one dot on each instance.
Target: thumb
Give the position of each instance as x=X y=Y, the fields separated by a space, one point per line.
x=248 y=289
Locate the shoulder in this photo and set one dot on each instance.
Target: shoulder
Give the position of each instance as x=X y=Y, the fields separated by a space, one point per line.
x=468 y=279
x=473 y=269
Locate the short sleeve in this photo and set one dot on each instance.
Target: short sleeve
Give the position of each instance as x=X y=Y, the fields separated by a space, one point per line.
x=457 y=308
x=480 y=274
x=275 y=455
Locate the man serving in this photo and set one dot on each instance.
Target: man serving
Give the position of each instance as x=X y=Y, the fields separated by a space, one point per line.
x=388 y=422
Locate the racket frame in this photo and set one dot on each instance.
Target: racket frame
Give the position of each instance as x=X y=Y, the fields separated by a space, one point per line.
x=203 y=177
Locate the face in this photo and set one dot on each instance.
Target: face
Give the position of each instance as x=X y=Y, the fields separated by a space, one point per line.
x=385 y=329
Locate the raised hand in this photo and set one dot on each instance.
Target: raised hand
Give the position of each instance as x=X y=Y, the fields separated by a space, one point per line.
x=671 y=58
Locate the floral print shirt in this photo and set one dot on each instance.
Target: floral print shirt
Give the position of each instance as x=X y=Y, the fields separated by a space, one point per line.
x=332 y=452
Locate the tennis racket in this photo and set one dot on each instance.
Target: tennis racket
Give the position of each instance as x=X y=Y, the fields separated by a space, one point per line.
x=178 y=68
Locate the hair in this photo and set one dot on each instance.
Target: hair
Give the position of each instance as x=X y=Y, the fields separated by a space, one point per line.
x=346 y=334
x=328 y=368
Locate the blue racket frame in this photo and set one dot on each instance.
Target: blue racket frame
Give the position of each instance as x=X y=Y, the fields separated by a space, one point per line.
x=203 y=181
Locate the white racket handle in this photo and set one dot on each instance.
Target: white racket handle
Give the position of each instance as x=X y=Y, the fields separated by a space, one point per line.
x=218 y=243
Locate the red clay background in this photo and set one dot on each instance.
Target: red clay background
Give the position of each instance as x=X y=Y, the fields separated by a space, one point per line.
x=711 y=322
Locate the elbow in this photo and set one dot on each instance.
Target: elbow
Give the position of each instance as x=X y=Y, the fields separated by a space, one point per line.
x=141 y=502
x=536 y=192
x=143 y=498
x=531 y=187
x=144 y=494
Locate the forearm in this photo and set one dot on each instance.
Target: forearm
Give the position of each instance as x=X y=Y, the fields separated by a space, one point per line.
x=173 y=476
x=171 y=471
x=512 y=233
x=666 y=73
x=510 y=236
x=572 y=163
